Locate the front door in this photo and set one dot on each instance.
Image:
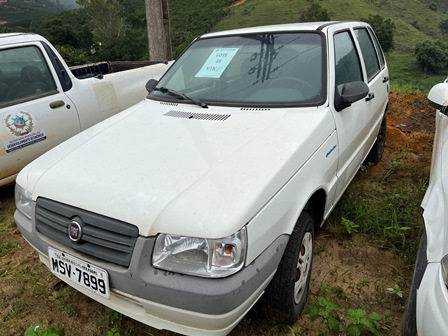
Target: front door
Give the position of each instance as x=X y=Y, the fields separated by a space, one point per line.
x=35 y=114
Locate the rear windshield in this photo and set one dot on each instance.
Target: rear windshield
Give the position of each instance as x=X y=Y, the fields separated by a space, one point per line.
x=261 y=69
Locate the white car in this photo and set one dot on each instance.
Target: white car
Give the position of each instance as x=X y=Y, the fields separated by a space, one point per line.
x=184 y=210
x=427 y=308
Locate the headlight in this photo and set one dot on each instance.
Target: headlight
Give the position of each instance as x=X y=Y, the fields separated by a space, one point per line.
x=210 y=258
x=23 y=200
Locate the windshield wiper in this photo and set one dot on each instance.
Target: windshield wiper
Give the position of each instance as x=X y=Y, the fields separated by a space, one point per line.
x=181 y=95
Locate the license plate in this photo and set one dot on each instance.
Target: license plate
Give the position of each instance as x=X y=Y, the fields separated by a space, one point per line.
x=82 y=273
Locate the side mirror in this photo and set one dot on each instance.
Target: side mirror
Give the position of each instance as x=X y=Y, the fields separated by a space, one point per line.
x=349 y=93
x=151 y=84
x=438 y=96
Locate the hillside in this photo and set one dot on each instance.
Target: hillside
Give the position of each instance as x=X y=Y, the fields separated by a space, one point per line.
x=415 y=21
x=20 y=12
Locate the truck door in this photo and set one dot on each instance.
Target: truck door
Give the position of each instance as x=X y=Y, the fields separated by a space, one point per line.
x=35 y=114
x=356 y=124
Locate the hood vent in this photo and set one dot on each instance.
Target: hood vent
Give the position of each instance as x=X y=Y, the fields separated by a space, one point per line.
x=200 y=116
x=255 y=109
x=170 y=104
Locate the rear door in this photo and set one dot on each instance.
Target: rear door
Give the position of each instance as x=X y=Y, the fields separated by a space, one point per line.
x=35 y=114
x=375 y=68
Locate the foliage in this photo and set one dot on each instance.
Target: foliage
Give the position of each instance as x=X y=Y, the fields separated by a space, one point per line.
x=384 y=30
x=37 y=330
x=118 y=34
x=385 y=207
x=353 y=321
x=433 y=6
x=325 y=309
x=73 y=44
x=22 y=13
x=191 y=19
x=396 y=289
x=443 y=25
x=315 y=12
x=350 y=226
x=432 y=55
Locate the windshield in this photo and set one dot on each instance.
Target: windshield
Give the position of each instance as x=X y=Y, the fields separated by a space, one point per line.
x=260 y=69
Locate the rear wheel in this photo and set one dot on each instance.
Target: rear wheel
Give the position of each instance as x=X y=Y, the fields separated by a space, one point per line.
x=286 y=295
x=376 y=153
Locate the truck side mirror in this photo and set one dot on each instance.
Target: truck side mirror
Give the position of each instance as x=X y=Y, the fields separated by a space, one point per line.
x=348 y=93
x=151 y=84
x=438 y=96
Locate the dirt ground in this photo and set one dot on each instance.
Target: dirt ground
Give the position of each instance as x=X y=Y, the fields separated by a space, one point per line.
x=356 y=267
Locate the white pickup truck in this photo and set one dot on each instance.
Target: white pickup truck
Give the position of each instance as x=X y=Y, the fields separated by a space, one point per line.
x=185 y=209
x=42 y=103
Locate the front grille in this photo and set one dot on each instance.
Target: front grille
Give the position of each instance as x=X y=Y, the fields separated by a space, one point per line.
x=104 y=238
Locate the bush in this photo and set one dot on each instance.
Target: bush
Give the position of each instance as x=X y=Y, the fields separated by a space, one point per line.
x=314 y=13
x=443 y=25
x=432 y=55
x=384 y=30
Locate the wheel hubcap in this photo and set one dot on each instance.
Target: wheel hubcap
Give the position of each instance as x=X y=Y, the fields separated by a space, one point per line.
x=303 y=267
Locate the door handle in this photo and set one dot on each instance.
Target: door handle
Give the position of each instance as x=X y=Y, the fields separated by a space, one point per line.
x=385 y=79
x=370 y=96
x=57 y=104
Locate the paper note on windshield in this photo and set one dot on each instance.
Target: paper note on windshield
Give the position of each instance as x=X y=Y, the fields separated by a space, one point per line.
x=217 y=62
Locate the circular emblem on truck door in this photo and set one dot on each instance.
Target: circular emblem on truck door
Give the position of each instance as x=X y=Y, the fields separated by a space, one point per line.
x=75 y=231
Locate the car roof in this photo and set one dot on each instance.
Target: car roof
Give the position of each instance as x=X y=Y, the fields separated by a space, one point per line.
x=7 y=39
x=303 y=26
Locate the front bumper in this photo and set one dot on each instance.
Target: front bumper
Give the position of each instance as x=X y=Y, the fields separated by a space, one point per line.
x=432 y=303
x=165 y=300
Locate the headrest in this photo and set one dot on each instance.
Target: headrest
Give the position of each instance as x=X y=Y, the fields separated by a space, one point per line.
x=30 y=73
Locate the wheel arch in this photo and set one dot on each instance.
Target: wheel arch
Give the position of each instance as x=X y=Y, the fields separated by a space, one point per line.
x=316 y=206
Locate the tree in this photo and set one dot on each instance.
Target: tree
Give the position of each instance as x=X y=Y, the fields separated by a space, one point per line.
x=114 y=37
x=158 y=26
x=314 y=13
x=443 y=25
x=384 y=30
x=432 y=55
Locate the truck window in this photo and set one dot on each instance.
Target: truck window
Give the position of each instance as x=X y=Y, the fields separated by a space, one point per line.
x=24 y=75
x=348 y=66
x=368 y=53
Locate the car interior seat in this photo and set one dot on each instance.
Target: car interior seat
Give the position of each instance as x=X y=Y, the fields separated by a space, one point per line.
x=31 y=84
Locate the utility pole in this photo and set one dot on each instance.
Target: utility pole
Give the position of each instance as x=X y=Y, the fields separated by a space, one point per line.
x=159 y=32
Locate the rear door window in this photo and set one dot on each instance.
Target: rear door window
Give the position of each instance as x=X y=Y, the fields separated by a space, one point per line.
x=368 y=53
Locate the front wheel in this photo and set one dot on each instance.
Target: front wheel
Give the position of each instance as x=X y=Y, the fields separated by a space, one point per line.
x=286 y=295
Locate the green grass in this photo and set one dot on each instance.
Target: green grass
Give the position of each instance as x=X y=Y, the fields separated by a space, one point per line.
x=406 y=76
x=387 y=208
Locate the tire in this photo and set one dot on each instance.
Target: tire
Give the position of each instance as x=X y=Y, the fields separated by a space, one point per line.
x=376 y=153
x=409 y=325
x=286 y=295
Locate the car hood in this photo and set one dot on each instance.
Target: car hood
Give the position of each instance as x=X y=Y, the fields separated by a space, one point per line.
x=435 y=202
x=179 y=168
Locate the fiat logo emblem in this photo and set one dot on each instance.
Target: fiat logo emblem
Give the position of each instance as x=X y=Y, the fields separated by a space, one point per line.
x=75 y=231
